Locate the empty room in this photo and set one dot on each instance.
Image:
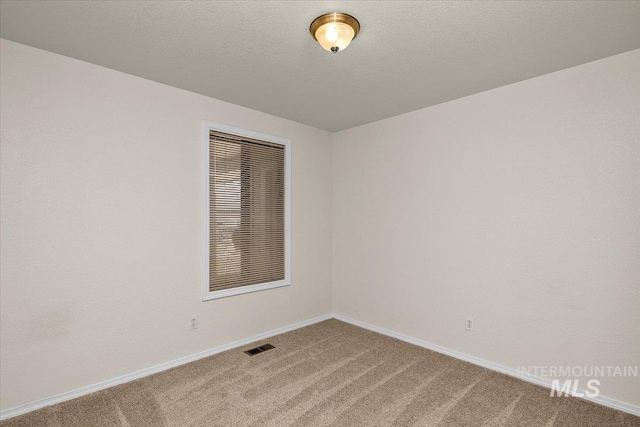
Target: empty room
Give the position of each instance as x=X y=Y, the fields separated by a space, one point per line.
x=320 y=213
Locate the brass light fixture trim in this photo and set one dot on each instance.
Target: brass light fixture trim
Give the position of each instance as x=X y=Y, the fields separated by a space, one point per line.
x=334 y=31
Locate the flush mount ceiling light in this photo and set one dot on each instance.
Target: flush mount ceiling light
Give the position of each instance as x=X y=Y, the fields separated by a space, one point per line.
x=334 y=31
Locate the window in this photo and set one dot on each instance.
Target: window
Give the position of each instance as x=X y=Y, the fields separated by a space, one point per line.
x=246 y=211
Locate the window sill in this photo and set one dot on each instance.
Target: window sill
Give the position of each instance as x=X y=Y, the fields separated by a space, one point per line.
x=208 y=295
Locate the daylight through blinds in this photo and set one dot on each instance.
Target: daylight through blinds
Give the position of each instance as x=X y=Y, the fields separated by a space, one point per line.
x=246 y=211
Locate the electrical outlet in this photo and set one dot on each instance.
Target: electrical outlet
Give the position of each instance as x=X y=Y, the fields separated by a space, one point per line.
x=469 y=325
x=194 y=322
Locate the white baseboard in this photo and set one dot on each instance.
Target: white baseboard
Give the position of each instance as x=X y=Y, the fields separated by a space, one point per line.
x=544 y=382
x=47 y=401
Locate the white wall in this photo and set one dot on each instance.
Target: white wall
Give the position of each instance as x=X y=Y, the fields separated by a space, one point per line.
x=519 y=207
x=101 y=226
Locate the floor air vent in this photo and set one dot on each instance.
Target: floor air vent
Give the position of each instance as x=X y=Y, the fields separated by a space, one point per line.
x=260 y=349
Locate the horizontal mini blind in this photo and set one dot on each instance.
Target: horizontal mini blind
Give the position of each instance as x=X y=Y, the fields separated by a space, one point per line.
x=246 y=211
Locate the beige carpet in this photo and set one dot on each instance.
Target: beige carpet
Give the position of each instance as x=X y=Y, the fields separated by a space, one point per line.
x=330 y=373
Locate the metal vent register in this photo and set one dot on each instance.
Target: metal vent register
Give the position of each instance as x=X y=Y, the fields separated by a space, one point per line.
x=259 y=350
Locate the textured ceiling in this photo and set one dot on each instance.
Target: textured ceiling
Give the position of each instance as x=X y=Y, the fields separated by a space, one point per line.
x=260 y=54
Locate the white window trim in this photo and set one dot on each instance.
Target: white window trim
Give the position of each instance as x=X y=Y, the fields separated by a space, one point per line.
x=206 y=293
